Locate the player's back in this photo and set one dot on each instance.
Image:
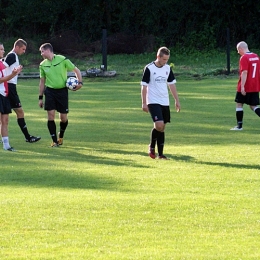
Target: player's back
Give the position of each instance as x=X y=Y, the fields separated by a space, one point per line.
x=251 y=63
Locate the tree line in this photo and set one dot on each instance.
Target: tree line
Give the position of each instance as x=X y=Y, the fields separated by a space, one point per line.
x=199 y=24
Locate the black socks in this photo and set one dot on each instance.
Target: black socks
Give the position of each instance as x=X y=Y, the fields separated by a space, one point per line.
x=22 y=125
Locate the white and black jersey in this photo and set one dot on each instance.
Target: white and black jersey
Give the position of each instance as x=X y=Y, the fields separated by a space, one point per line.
x=157 y=79
x=11 y=61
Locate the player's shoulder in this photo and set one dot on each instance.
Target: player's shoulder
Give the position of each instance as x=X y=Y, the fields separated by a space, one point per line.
x=11 y=53
x=10 y=56
x=249 y=55
x=58 y=58
x=45 y=62
x=253 y=54
x=250 y=58
x=149 y=65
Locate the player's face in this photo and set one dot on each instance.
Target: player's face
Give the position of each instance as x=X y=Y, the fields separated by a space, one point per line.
x=163 y=60
x=239 y=50
x=45 y=53
x=20 y=50
x=2 y=51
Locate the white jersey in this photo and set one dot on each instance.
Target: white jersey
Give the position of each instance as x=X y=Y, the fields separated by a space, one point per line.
x=157 y=79
x=11 y=61
x=3 y=85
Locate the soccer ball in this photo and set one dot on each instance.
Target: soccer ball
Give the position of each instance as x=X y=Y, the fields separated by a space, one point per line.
x=71 y=83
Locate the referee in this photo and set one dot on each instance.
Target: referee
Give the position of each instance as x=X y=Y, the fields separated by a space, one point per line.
x=53 y=76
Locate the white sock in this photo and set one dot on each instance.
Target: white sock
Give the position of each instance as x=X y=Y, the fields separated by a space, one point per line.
x=6 y=144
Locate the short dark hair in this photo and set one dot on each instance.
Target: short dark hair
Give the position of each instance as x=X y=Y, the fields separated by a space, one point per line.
x=163 y=51
x=46 y=46
x=20 y=43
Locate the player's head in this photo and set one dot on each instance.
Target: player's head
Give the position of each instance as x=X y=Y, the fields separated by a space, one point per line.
x=242 y=48
x=2 y=50
x=163 y=51
x=20 y=46
x=46 y=50
x=46 y=46
x=163 y=55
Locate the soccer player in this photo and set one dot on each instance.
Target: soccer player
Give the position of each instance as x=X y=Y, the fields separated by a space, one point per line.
x=53 y=76
x=248 y=86
x=157 y=77
x=11 y=61
x=5 y=108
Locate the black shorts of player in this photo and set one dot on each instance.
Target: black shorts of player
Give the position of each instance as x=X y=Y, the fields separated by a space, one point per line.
x=251 y=98
x=160 y=113
x=5 y=107
x=56 y=99
x=13 y=96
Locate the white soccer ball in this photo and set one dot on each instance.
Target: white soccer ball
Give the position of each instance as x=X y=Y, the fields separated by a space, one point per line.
x=71 y=83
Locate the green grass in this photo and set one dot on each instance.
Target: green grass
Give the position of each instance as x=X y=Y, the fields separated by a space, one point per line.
x=100 y=196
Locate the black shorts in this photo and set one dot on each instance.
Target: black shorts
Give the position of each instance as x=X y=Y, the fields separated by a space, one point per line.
x=159 y=113
x=5 y=107
x=56 y=99
x=251 y=98
x=13 y=96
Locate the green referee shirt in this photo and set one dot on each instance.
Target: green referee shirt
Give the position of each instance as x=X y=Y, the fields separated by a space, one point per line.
x=55 y=71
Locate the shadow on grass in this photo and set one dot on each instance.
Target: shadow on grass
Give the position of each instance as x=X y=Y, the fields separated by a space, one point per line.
x=232 y=165
x=58 y=179
x=81 y=170
x=187 y=158
x=191 y=159
x=64 y=168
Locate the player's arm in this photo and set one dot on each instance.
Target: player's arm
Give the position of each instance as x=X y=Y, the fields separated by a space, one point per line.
x=79 y=78
x=41 y=91
x=171 y=84
x=243 y=81
x=15 y=72
x=9 y=60
x=174 y=92
x=143 y=97
x=144 y=84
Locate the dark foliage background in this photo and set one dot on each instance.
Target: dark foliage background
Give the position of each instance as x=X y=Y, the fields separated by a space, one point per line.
x=196 y=24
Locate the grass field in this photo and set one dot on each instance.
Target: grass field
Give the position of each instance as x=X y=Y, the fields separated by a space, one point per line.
x=100 y=196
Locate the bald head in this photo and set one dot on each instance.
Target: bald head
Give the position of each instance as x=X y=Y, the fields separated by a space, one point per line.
x=242 y=48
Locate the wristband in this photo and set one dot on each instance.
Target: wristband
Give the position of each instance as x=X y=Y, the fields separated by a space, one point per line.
x=80 y=83
x=40 y=97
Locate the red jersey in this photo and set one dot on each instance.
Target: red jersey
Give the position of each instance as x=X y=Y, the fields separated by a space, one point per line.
x=251 y=63
x=4 y=85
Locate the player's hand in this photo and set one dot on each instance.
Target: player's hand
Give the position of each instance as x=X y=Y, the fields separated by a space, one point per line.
x=17 y=70
x=243 y=92
x=145 y=108
x=178 y=107
x=41 y=103
x=77 y=87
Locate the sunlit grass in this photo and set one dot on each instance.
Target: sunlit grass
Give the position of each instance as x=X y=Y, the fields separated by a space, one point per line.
x=99 y=196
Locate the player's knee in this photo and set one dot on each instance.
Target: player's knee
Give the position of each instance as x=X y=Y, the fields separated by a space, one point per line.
x=19 y=112
x=160 y=127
